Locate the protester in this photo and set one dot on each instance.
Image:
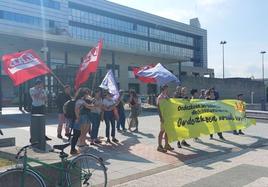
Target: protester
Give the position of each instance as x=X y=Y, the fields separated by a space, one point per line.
x=177 y=93
x=121 y=111
x=134 y=110
x=85 y=113
x=80 y=120
x=39 y=99
x=210 y=95
x=194 y=95
x=167 y=147
x=202 y=94
x=108 y=106
x=96 y=117
x=181 y=92
x=240 y=98
x=62 y=98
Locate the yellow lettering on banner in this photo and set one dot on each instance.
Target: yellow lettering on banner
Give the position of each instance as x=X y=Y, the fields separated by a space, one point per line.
x=184 y=119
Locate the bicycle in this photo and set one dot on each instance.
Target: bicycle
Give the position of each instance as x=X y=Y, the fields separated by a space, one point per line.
x=83 y=170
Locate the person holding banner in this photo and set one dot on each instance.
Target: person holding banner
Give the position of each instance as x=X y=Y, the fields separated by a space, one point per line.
x=210 y=95
x=167 y=147
x=240 y=98
x=39 y=99
x=181 y=92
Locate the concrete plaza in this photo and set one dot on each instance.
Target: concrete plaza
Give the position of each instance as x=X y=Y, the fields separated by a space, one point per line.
x=135 y=157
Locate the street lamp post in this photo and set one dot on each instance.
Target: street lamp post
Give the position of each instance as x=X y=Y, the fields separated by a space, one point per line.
x=262 y=54
x=222 y=43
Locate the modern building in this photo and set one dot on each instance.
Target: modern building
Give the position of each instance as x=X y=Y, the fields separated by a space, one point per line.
x=62 y=31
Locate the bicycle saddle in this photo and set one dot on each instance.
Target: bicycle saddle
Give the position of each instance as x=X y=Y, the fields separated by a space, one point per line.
x=61 y=147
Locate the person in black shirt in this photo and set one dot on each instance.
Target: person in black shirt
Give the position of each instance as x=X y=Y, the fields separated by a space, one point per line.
x=62 y=98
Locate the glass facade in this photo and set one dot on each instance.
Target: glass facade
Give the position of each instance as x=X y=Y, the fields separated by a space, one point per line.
x=26 y=19
x=47 y=3
x=122 y=33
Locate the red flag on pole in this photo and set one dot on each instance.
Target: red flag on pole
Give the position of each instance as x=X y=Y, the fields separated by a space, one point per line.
x=144 y=79
x=23 y=66
x=89 y=65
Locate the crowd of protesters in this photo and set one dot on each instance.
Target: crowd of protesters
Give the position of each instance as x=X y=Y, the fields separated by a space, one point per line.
x=90 y=108
x=82 y=114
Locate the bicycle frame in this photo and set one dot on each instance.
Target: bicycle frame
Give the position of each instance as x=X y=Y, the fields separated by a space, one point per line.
x=61 y=169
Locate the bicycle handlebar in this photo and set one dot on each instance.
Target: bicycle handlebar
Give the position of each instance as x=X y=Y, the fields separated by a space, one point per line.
x=25 y=147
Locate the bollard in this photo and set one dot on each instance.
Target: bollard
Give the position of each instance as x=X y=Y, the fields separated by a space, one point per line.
x=37 y=131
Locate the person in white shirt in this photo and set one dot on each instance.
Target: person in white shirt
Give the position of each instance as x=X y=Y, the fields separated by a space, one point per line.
x=39 y=99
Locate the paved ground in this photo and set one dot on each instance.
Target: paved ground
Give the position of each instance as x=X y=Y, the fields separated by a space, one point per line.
x=135 y=156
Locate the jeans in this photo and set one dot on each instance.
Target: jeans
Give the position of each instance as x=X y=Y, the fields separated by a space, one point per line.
x=121 y=122
x=76 y=135
x=109 y=119
x=95 y=120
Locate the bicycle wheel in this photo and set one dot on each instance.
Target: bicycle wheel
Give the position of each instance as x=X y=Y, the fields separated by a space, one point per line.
x=86 y=170
x=13 y=178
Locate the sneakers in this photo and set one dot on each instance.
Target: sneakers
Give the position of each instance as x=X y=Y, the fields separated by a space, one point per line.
x=178 y=144
x=160 y=148
x=222 y=138
x=97 y=141
x=74 y=152
x=115 y=140
x=47 y=138
x=241 y=133
x=168 y=148
x=108 y=140
x=235 y=132
x=184 y=143
x=67 y=135
x=197 y=140
x=59 y=136
x=136 y=130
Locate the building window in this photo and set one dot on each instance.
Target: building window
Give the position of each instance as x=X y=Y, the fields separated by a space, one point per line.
x=116 y=69
x=151 y=89
x=183 y=73
x=47 y=3
x=130 y=72
x=134 y=86
x=25 y=19
x=51 y=24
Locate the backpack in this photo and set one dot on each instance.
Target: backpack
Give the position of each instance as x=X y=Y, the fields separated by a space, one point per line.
x=69 y=109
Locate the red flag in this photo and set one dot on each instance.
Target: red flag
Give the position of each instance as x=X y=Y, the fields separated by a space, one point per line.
x=23 y=66
x=144 y=79
x=89 y=65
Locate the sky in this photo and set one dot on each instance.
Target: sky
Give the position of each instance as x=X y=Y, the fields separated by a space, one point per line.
x=243 y=24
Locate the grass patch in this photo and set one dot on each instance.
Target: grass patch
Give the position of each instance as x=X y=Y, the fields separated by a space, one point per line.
x=5 y=162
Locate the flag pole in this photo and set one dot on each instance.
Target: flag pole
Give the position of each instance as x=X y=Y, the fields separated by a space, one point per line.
x=57 y=78
x=94 y=81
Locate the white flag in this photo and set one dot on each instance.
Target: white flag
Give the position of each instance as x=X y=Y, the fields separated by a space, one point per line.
x=108 y=83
